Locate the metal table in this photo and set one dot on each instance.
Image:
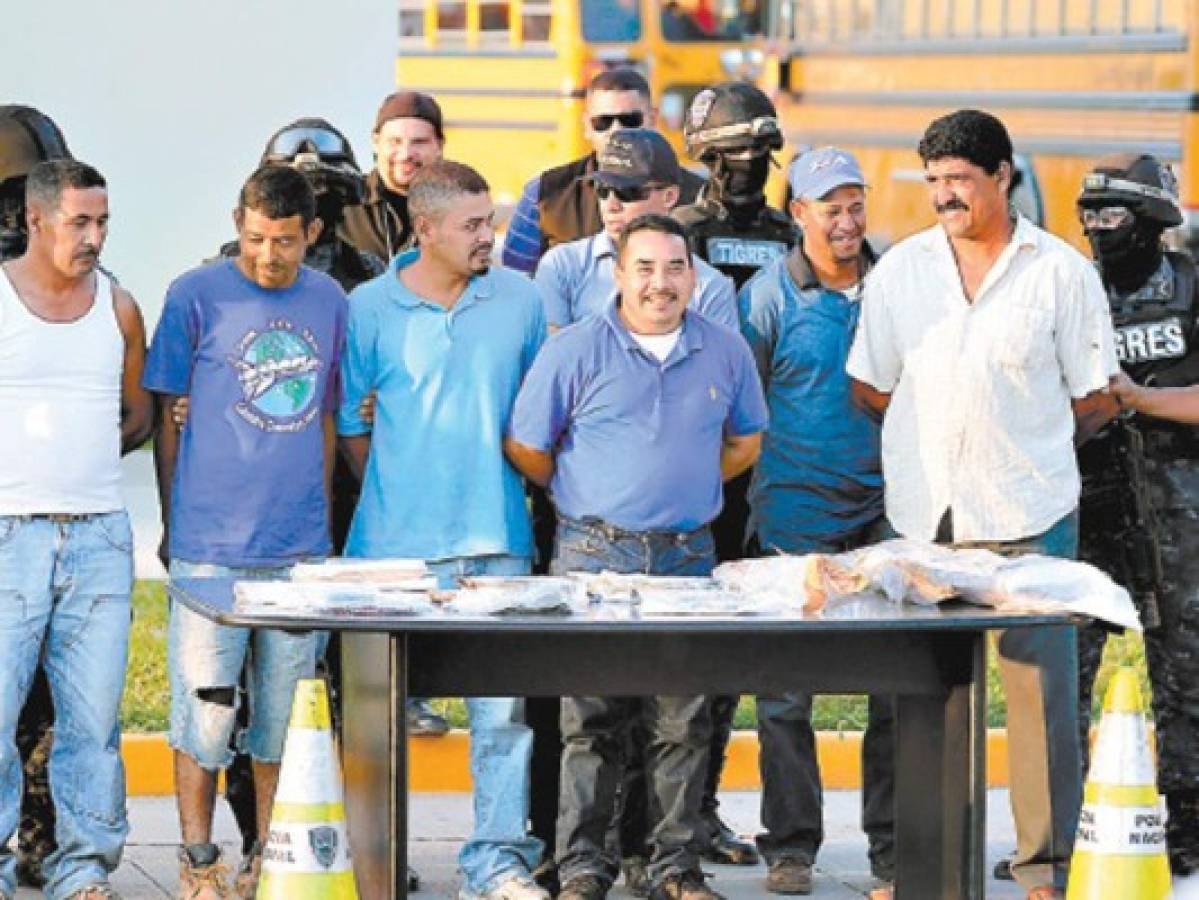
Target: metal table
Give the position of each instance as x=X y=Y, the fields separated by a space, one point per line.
x=932 y=659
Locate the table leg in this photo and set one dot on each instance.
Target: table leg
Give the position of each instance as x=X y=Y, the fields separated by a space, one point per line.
x=375 y=758
x=937 y=798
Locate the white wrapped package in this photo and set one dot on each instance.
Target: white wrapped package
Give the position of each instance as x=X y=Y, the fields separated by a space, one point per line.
x=708 y=603
x=1036 y=583
x=517 y=595
x=809 y=581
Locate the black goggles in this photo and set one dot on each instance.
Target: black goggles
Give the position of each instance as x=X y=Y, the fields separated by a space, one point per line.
x=289 y=142
x=625 y=194
x=633 y=119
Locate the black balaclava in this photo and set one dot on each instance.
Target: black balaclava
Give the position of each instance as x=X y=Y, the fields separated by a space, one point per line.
x=13 y=238
x=741 y=183
x=1128 y=255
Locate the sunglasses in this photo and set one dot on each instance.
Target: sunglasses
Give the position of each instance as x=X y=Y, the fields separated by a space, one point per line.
x=633 y=119
x=1106 y=218
x=625 y=194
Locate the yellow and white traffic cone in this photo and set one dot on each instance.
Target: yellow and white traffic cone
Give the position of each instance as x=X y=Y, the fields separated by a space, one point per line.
x=1120 y=851
x=307 y=855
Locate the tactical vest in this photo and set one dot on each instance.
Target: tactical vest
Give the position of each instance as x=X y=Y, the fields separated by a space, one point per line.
x=569 y=209
x=737 y=249
x=1157 y=342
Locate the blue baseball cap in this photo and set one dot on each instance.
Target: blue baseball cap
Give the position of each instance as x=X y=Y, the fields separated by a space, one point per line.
x=817 y=172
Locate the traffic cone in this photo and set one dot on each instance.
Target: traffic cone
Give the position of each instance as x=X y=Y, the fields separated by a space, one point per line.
x=307 y=855
x=1120 y=851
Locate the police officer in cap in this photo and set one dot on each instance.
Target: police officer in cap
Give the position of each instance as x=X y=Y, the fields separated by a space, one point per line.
x=28 y=137
x=732 y=128
x=1140 y=475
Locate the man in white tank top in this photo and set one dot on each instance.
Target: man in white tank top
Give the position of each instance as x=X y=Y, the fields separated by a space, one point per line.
x=72 y=347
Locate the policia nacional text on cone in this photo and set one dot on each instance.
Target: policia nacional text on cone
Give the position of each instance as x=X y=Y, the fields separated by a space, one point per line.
x=307 y=855
x=1120 y=850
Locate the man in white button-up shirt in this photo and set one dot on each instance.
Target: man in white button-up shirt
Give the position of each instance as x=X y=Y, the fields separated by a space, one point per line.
x=988 y=344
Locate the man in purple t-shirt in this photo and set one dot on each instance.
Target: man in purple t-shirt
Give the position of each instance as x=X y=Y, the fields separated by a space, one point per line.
x=255 y=343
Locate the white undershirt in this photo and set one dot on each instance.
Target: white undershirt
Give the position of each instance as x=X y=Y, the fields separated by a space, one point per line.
x=658 y=345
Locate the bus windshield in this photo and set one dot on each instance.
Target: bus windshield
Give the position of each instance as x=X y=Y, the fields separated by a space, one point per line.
x=607 y=21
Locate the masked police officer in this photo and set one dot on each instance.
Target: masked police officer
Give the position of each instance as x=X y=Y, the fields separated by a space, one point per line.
x=1140 y=476
x=732 y=128
x=28 y=137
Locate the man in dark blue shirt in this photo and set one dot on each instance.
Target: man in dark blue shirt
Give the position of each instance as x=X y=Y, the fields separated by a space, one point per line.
x=817 y=489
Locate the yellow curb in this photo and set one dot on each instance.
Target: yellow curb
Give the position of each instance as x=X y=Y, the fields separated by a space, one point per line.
x=442 y=764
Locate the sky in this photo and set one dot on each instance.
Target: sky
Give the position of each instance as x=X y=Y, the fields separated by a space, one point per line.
x=173 y=102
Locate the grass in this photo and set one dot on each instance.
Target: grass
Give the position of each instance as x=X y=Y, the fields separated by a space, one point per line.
x=147 y=696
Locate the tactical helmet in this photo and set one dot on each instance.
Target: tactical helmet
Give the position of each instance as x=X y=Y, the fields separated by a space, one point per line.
x=319 y=151
x=27 y=137
x=1137 y=181
x=733 y=115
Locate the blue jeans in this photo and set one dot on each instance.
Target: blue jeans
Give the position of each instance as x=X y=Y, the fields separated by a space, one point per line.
x=501 y=744
x=64 y=593
x=205 y=662
x=595 y=729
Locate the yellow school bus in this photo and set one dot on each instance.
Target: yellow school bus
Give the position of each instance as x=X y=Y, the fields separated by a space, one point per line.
x=1072 y=80
x=510 y=74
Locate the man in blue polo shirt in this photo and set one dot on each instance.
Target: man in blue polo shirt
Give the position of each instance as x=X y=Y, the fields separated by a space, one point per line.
x=634 y=419
x=817 y=489
x=443 y=340
x=637 y=173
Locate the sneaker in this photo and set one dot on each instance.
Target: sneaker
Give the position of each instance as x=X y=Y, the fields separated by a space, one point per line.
x=101 y=891
x=684 y=886
x=789 y=875
x=202 y=875
x=422 y=720
x=636 y=875
x=725 y=846
x=245 y=886
x=584 y=887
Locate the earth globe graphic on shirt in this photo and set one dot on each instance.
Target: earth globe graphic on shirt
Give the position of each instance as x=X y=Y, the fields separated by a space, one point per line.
x=278 y=373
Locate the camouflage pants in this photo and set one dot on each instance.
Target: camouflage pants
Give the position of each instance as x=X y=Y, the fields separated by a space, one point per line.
x=35 y=734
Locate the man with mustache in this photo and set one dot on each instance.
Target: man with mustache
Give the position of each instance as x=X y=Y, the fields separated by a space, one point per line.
x=633 y=419
x=407 y=136
x=72 y=345
x=818 y=488
x=1016 y=322
x=443 y=340
x=254 y=342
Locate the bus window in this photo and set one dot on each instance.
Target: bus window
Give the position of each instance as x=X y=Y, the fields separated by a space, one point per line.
x=610 y=20
x=703 y=20
x=535 y=21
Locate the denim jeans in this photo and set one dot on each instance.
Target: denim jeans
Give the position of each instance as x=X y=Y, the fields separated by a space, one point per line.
x=1039 y=670
x=792 y=794
x=64 y=593
x=595 y=729
x=501 y=745
x=205 y=662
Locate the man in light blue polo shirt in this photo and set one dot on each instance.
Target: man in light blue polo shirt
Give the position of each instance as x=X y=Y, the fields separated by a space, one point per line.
x=443 y=340
x=637 y=173
x=634 y=419
x=818 y=488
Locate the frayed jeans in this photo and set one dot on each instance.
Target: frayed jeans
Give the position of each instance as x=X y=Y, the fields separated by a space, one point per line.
x=64 y=594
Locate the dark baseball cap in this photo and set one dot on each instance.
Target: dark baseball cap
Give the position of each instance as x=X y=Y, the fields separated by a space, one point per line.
x=637 y=156
x=410 y=105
